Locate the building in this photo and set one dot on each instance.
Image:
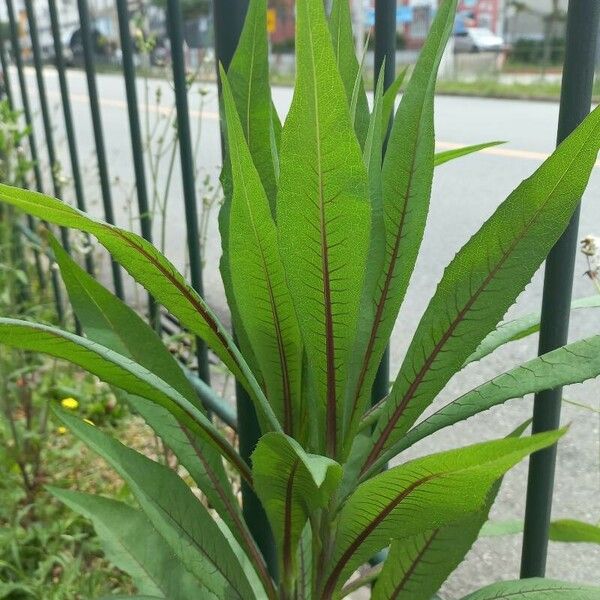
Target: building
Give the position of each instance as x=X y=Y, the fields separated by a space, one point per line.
x=482 y=13
x=282 y=23
x=67 y=10
x=528 y=18
x=103 y=15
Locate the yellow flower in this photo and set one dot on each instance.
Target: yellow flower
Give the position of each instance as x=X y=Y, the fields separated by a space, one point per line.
x=89 y=422
x=61 y=430
x=69 y=403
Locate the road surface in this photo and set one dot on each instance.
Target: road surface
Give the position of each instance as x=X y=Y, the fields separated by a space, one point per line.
x=465 y=193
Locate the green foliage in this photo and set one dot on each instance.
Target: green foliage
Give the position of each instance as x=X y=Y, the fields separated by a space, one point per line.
x=320 y=236
x=46 y=551
x=531 y=51
x=13 y=163
x=129 y=540
x=562 y=530
x=417 y=565
x=534 y=589
x=292 y=486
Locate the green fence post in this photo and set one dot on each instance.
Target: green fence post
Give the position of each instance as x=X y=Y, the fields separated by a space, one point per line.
x=16 y=47
x=228 y=22
x=11 y=102
x=175 y=27
x=385 y=50
x=136 y=137
x=90 y=74
x=68 y=118
x=17 y=248
x=18 y=58
x=7 y=82
x=39 y=75
x=385 y=40
x=583 y=21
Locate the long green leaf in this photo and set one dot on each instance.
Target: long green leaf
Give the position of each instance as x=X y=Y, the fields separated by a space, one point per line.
x=120 y=371
x=570 y=530
x=262 y=297
x=109 y=321
x=407 y=178
x=340 y=26
x=417 y=565
x=484 y=279
x=563 y=530
x=197 y=457
x=573 y=363
x=206 y=469
x=152 y=270
x=390 y=95
x=204 y=547
x=516 y=329
x=419 y=496
x=536 y=589
x=131 y=543
x=291 y=485
x=448 y=155
x=248 y=75
x=372 y=156
x=305 y=564
x=323 y=214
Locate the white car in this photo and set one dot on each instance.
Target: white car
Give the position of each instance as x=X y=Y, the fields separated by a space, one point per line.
x=477 y=39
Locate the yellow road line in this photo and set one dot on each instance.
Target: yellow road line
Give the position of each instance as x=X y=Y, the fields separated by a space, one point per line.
x=214 y=116
x=122 y=104
x=500 y=151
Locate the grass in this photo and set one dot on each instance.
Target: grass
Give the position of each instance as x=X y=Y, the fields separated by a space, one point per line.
x=492 y=88
x=483 y=87
x=46 y=551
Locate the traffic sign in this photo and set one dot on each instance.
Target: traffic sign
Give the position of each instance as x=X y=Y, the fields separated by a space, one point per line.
x=271 y=20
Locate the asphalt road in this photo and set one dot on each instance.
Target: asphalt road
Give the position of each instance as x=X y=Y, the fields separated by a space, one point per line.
x=465 y=193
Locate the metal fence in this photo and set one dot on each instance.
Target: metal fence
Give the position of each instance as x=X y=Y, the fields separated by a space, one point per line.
x=228 y=16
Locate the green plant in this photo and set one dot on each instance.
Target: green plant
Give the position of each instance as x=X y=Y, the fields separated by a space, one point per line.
x=47 y=552
x=320 y=238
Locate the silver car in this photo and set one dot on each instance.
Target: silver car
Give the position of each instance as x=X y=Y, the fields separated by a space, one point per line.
x=477 y=39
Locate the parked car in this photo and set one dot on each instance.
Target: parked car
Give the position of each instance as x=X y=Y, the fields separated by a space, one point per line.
x=477 y=39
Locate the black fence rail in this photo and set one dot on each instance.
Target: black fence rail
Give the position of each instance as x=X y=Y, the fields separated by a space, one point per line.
x=582 y=31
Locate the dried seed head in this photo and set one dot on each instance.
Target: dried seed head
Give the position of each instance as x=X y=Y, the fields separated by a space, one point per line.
x=590 y=245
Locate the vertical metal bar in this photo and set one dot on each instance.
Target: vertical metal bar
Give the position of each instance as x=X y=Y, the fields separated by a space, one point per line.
x=7 y=82
x=16 y=46
x=583 y=21
x=175 y=27
x=385 y=40
x=90 y=73
x=136 y=135
x=39 y=74
x=17 y=247
x=68 y=117
x=11 y=102
x=229 y=21
x=385 y=50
